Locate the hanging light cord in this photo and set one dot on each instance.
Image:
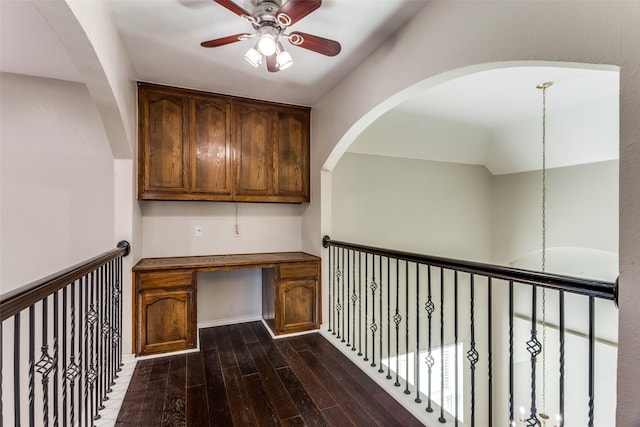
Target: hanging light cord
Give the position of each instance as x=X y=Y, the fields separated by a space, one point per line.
x=544 y=87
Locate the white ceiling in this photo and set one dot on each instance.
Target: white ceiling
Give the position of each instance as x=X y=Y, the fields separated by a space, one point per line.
x=470 y=119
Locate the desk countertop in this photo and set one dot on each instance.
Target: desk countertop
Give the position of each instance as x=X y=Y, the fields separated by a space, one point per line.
x=222 y=262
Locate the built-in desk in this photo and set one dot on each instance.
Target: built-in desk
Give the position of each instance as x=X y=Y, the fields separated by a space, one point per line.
x=165 y=292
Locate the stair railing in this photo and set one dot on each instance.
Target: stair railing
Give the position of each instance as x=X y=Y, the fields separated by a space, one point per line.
x=62 y=343
x=416 y=317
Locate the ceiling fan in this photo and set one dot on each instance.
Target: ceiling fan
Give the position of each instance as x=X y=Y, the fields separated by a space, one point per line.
x=270 y=20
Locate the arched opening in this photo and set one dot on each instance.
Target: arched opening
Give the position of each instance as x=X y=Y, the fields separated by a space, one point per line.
x=454 y=170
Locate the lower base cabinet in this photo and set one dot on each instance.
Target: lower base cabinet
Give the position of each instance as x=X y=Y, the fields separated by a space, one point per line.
x=165 y=312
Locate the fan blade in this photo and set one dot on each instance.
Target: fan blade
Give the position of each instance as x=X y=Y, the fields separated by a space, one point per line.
x=272 y=63
x=225 y=40
x=294 y=10
x=315 y=43
x=233 y=7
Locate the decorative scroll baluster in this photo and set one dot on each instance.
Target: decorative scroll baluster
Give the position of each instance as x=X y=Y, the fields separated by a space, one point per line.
x=397 y=318
x=416 y=359
x=332 y=284
x=56 y=359
x=429 y=307
x=357 y=298
x=45 y=363
x=442 y=419
x=381 y=369
x=389 y=317
x=339 y=305
x=534 y=347
x=374 y=327
x=348 y=297
x=472 y=354
x=366 y=308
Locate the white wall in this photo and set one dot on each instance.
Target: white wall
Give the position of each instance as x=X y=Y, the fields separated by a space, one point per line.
x=413 y=205
x=581 y=212
x=57 y=182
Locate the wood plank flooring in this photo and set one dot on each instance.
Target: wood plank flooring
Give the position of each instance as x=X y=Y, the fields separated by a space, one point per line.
x=241 y=377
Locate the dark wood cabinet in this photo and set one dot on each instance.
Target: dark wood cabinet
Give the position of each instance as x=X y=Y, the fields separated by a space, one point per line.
x=165 y=296
x=199 y=146
x=296 y=301
x=165 y=315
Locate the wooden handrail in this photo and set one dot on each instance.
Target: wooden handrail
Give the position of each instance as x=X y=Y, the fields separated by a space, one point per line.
x=14 y=301
x=576 y=285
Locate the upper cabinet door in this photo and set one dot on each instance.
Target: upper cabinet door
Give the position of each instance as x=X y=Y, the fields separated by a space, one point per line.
x=164 y=150
x=253 y=151
x=211 y=146
x=292 y=155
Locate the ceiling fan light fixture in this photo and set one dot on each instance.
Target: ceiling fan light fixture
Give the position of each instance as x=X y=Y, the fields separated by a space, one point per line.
x=284 y=58
x=253 y=57
x=268 y=40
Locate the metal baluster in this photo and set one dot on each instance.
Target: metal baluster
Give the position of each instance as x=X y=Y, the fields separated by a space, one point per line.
x=592 y=349
x=112 y=330
x=389 y=318
x=99 y=340
x=490 y=345
x=374 y=326
x=16 y=368
x=429 y=307
x=56 y=358
x=366 y=308
x=64 y=355
x=511 y=397
x=472 y=356
x=416 y=359
x=32 y=345
x=406 y=323
x=1 y=379
x=381 y=369
x=82 y=354
x=348 y=296
x=455 y=341
x=397 y=319
x=442 y=419
x=561 y=380
x=534 y=347
x=332 y=285
x=92 y=319
x=356 y=298
x=45 y=363
x=338 y=276
x=119 y=287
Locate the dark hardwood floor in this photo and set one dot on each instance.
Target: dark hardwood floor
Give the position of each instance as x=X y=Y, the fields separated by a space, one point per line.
x=241 y=377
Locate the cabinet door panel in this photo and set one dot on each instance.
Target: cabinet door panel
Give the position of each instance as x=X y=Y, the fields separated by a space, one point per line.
x=210 y=151
x=166 y=321
x=292 y=144
x=298 y=306
x=253 y=150
x=165 y=136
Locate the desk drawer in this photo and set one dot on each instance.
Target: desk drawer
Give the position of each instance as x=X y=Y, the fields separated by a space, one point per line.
x=298 y=269
x=165 y=279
